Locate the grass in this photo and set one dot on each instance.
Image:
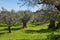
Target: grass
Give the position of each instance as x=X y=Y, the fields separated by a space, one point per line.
x=32 y=32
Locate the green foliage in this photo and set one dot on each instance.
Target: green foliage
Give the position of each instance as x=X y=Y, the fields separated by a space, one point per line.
x=52 y=36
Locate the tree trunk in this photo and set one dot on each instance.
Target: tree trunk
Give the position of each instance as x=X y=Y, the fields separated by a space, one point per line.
x=33 y=21
x=58 y=25
x=58 y=7
x=52 y=24
x=9 y=29
x=24 y=24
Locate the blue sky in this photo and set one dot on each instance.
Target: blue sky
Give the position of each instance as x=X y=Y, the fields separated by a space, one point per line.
x=9 y=4
x=12 y=4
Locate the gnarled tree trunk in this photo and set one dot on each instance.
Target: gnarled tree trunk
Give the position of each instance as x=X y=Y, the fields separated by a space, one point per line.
x=58 y=25
x=52 y=24
x=24 y=24
x=9 y=29
x=58 y=7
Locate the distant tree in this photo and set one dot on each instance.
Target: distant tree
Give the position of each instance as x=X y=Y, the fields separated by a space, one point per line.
x=8 y=18
x=24 y=17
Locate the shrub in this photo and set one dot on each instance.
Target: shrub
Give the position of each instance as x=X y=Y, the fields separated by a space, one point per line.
x=52 y=36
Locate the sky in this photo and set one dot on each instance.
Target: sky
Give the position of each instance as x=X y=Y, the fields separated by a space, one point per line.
x=12 y=4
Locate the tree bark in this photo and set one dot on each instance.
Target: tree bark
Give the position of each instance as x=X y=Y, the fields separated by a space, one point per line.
x=9 y=29
x=24 y=24
x=58 y=7
x=52 y=24
x=58 y=25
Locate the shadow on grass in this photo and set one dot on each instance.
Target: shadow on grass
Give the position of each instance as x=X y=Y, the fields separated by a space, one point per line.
x=13 y=29
x=3 y=31
x=39 y=31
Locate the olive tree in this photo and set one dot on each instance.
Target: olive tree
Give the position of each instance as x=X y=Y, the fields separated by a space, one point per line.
x=54 y=3
x=8 y=18
x=47 y=15
x=24 y=17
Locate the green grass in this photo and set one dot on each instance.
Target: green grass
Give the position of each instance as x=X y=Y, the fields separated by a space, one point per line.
x=32 y=32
